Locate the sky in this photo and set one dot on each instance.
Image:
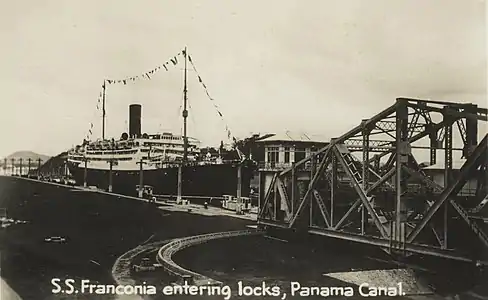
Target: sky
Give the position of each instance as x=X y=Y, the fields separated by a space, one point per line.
x=317 y=66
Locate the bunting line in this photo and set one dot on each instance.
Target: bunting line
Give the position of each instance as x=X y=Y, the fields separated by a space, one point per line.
x=200 y=80
x=147 y=75
x=90 y=132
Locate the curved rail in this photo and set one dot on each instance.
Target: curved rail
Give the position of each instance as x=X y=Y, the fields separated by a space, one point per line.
x=121 y=268
x=166 y=252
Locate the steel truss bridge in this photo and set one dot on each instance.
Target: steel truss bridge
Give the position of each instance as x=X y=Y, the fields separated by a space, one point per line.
x=383 y=196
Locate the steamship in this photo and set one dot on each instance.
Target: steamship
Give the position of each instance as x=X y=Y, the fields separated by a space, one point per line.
x=160 y=156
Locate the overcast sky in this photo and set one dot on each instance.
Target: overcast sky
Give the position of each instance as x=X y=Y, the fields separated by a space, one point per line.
x=315 y=66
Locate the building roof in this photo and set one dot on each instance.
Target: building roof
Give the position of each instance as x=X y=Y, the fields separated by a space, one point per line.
x=289 y=136
x=456 y=165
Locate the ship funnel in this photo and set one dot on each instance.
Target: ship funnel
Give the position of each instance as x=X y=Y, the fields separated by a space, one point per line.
x=135 y=120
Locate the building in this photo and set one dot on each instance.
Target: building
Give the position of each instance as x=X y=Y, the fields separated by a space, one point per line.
x=281 y=151
x=436 y=174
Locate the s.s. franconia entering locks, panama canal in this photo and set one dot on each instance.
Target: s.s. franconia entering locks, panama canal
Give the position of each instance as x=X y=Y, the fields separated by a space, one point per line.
x=159 y=156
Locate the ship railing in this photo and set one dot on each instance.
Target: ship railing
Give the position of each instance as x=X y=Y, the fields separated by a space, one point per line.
x=174 y=197
x=212 y=162
x=165 y=253
x=173 y=163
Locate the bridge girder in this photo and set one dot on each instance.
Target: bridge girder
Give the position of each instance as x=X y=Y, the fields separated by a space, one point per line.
x=387 y=199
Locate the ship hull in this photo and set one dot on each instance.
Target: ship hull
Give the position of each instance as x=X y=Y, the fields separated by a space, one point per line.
x=206 y=180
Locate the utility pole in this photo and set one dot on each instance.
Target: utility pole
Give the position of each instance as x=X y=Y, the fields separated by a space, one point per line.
x=141 y=179
x=111 y=164
x=185 y=111
x=185 y=138
x=28 y=166
x=85 y=173
x=38 y=168
x=103 y=109
x=110 y=178
x=66 y=168
x=180 y=183
x=239 y=189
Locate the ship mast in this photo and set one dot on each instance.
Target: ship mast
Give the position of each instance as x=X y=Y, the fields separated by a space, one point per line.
x=103 y=110
x=185 y=113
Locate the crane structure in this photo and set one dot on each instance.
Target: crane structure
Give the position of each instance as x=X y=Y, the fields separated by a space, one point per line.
x=368 y=186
